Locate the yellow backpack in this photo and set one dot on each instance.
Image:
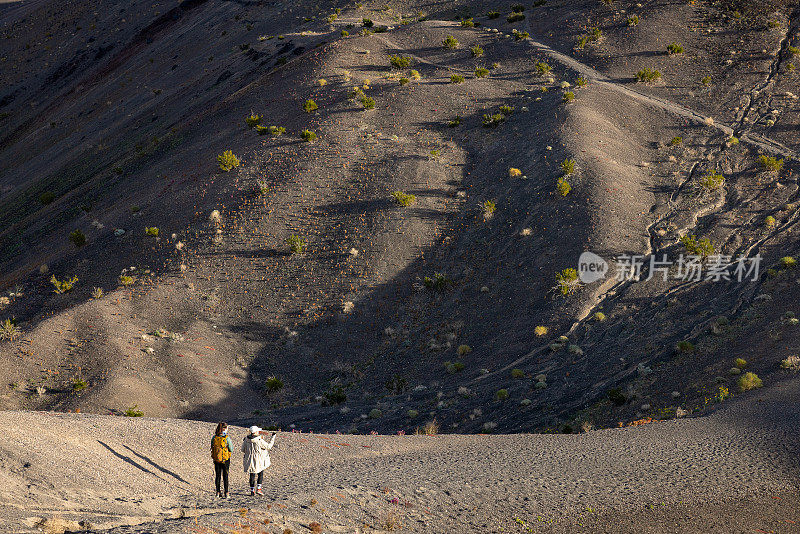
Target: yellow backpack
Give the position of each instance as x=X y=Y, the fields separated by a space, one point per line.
x=219 y=449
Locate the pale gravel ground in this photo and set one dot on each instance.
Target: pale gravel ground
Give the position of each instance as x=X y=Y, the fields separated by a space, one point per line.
x=141 y=469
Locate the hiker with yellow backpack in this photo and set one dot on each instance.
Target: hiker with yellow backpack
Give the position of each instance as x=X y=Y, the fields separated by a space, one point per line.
x=221 y=454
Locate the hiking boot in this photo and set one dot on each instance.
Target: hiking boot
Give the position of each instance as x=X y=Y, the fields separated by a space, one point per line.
x=259 y=492
x=225 y=496
x=218 y=494
x=252 y=492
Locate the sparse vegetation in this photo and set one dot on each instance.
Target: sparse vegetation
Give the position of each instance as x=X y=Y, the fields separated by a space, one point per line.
x=126 y=280
x=78 y=238
x=367 y=23
x=648 y=75
x=563 y=187
x=468 y=23
x=310 y=106
x=684 y=346
x=540 y=331
x=677 y=140
x=493 y=15
x=79 y=384
x=787 y=262
x=456 y=78
x=674 y=49
x=296 y=244
x=97 y=293
x=567 y=281
x=771 y=163
x=133 y=411
x=403 y=199
x=701 y=247
x=633 y=20
x=749 y=381
x=568 y=166
x=227 y=161
x=367 y=102
x=791 y=363
x=273 y=384
x=515 y=17
x=616 y=397
x=437 y=282
x=456 y=121
x=308 y=136
x=476 y=50
x=501 y=395
x=47 y=198
x=9 y=330
x=568 y=97
x=517 y=373
x=253 y=120
x=542 y=68
x=488 y=207
x=63 y=286
x=711 y=181
x=493 y=121
x=400 y=62
x=152 y=231
x=453 y=367
x=519 y=36
x=450 y=42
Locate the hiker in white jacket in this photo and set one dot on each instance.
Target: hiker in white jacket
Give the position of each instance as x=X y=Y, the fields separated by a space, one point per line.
x=256 y=457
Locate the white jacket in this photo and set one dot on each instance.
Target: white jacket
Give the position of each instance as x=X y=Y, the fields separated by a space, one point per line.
x=255 y=453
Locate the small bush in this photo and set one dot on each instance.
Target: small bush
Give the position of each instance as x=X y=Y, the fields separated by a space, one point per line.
x=97 y=293
x=438 y=282
x=453 y=367
x=367 y=23
x=562 y=187
x=227 y=161
x=581 y=43
x=78 y=238
x=400 y=62
x=648 y=75
x=501 y=395
x=367 y=102
x=310 y=106
x=568 y=166
x=450 y=42
x=79 y=384
x=702 y=247
x=126 y=280
x=152 y=231
x=276 y=131
x=567 y=281
x=599 y=317
x=47 y=198
x=296 y=244
x=674 y=49
x=633 y=20
x=253 y=120
x=403 y=81
x=414 y=74
x=463 y=350
x=711 y=181
x=540 y=331
x=456 y=78
x=517 y=373
x=616 y=397
x=477 y=51
x=515 y=17
x=771 y=163
x=770 y=222
x=706 y=80
x=791 y=363
x=468 y=23
x=677 y=140
x=454 y=122
x=308 y=136
x=581 y=81
x=335 y=395
x=519 y=36
x=741 y=363
x=684 y=346
x=63 y=286
x=514 y=172
x=787 y=262
x=133 y=411
x=493 y=15
x=403 y=199
x=749 y=381
x=273 y=384
x=542 y=68
x=9 y=330
x=493 y=121
x=488 y=207
x=481 y=72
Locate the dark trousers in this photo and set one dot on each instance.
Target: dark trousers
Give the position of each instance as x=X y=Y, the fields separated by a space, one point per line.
x=253 y=479
x=221 y=470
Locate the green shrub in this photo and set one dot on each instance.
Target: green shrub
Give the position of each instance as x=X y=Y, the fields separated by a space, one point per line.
x=793 y=50
x=468 y=23
x=481 y=72
x=749 y=381
x=273 y=384
x=506 y=110
x=345 y=33
x=367 y=23
x=63 y=286
x=335 y=395
x=367 y=102
x=674 y=49
x=515 y=17
x=711 y=181
x=741 y=363
x=477 y=51
x=414 y=74
x=253 y=120
x=453 y=367
x=456 y=78
x=677 y=140
x=276 y=130
x=310 y=106
x=47 y=197
x=581 y=43
x=770 y=222
x=454 y=122
x=562 y=187
x=787 y=262
x=126 y=280
x=567 y=281
x=78 y=384
x=595 y=34
x=501 y=395
x=227 y=161
x=684 y=346
x=9 y=330
x=437 y=282
x=403 y=199
x=648 y=75
x=296 y=244
x=568 y=97
x=488 y=207
x=706 y=80
x=78 y=238
x=616 y=397
x=450 y=42
x=599 y=317
x=400 y=62
x=493 y=121
x=133 y=411
x=152 y=231
x=702 y=247
x=633 y=20
x=568 y=166
x=403 y=81
x=517 y=373
x=519 y=36
x=542 y=68
x=581 y=81
x=771 y=163
x=308 y=135
x=493 y=15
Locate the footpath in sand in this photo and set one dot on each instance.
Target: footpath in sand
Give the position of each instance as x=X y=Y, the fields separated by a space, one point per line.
x=736 y=469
